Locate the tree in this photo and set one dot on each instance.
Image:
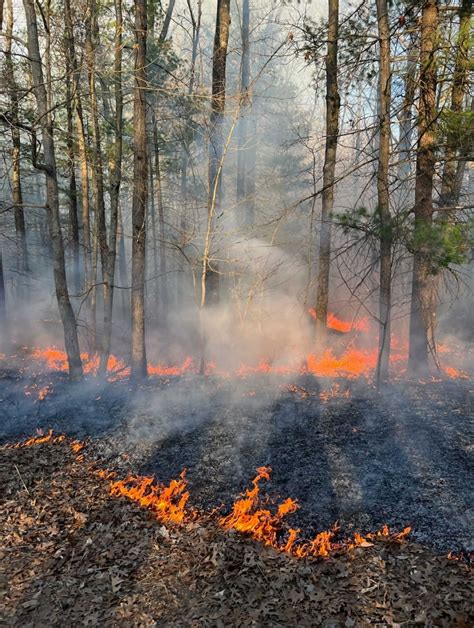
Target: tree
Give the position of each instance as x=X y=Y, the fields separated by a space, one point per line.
x=81 y=145
x=384 y=90
x=333 y=104
x=52 y=193
x=17 y=195
x=246 y=153
x=139 y=201
x=210 y=276
x=115 y=181
x=421 y=296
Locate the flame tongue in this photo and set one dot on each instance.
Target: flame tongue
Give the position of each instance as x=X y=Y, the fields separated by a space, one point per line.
x=247 y=516
x=167 y=503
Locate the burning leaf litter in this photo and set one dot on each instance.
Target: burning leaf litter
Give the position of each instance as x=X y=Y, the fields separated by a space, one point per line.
x=72 y=553
x=168 y=505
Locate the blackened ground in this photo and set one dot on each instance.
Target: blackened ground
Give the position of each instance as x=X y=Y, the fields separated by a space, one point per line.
x=402 y=457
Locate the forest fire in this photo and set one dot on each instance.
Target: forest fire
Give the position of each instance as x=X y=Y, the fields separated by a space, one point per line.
x=351 y=360
x=234 y=234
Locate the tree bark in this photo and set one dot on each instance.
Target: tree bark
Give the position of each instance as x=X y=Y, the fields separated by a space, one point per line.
x=115 y=181
x=139 y=202
x=100 y=230
x=82 y=151
x=72 y=194
x=52 y=195
x=17 y=196
x=383 y=199
x=221 y=40
x=245 y=200
x=329 y=169
x=421 y=298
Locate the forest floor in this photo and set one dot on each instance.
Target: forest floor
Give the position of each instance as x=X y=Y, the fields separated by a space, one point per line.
x=71 y=554
x=343 y=451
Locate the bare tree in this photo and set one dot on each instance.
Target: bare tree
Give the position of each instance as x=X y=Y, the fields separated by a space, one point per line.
x=52 y=194
x=245 y=167
x=216 y=142
x=115 y=181
x=21 y=244
x=138 y=362
x=450 y=188
x=421 y=298
x=332 y=131
x=384 y=89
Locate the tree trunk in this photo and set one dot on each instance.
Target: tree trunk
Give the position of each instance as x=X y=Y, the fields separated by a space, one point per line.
x=161 y=226
x=17 y=196
x=81 y=149
x=122 y=268
x=115 y=180
x=167 y=20
x=329 y=169
x=421 y=299
x=139 y=201
x=383 y=192
x=210 y=283
x=245 y=201
x=406 y=119
x=52 y=195
x=72 y=194
x=196 y=30
x=97 y=161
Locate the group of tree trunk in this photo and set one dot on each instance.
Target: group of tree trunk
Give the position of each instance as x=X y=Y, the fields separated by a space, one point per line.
x=93 y=171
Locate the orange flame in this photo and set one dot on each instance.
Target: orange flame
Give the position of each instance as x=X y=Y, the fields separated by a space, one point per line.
x=345 y=327
x=41 y=439
x=167 y=503
x=248 y=516
x=350 y=362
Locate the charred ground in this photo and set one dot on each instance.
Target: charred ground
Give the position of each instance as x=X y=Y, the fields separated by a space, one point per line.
x=401 y=457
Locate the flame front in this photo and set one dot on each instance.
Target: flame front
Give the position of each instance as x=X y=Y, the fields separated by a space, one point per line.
x=167 y=503
x=250 y=517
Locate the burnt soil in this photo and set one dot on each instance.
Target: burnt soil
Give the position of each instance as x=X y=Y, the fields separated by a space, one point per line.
x=401 y=457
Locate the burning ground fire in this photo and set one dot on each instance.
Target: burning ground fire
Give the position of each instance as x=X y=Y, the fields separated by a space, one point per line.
x=250 y=513
x=352 y=361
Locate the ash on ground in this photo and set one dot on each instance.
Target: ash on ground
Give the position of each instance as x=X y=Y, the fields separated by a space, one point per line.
x=344 y=451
